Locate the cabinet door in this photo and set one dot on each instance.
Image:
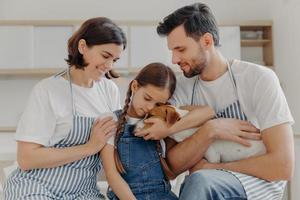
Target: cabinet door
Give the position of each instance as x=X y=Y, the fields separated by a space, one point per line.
x=16 y=49
x=230 y=41
x=122 y=63
x=50 y=46
x=146 y=47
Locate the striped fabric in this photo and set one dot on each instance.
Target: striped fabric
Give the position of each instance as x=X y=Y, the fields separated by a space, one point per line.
x=256 y=189
x=76 y=180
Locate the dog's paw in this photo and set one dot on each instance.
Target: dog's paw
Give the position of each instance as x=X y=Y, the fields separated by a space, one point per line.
x=139 y=126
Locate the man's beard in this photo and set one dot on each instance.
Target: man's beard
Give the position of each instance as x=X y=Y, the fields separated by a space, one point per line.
x=193 y=71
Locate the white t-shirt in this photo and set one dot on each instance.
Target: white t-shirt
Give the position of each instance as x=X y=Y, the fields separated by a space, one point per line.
x=48 y=116
x=259 y=92
x=129 y=120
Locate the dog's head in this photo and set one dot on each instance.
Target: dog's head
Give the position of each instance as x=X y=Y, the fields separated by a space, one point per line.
x=167 y=113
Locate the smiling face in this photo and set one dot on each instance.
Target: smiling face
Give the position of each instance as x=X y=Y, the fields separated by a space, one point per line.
x=188 y=53
x=144 y=98
x=100 y=58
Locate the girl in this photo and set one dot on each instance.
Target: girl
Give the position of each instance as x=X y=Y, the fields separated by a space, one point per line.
x=133 y=167
x=58 y=137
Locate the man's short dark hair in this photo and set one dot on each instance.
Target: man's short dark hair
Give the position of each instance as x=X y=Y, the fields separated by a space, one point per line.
x=197 y=20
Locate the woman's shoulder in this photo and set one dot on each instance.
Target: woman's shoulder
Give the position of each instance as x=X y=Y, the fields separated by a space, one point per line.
x=109 y=87
x=50 y=83
x=107 y=83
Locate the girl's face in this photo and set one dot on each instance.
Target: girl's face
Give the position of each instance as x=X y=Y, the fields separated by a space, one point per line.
x=100 y=58
x=144 y=98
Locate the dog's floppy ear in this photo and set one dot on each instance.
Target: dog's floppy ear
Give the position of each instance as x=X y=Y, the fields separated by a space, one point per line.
x=172 y=116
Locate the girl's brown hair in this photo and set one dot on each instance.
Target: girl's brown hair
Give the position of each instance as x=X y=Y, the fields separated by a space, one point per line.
x=156 y=74
x=95 y=31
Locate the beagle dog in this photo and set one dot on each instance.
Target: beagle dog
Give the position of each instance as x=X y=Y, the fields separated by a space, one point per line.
x=219 y=151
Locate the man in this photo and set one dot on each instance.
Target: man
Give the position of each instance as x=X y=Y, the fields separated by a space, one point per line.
x=235 y=89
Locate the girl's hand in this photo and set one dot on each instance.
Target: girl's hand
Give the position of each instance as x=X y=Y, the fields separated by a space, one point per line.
x=157 y=131
x=233 y=130
x=102 y=130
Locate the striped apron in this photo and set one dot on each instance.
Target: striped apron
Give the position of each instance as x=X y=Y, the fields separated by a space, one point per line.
x=76 y=180
x=255 y=188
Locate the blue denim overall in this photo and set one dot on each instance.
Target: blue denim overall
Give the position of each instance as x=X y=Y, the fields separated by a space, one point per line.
x=144 y=173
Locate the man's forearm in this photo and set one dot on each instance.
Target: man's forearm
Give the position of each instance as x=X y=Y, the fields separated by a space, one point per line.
x=187 y=153
x=194 y=118
x=276 y=164
x=266 y=167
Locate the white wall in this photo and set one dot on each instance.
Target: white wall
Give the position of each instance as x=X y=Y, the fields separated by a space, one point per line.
x=287 y=49
x=282 y=12
x=130 y=9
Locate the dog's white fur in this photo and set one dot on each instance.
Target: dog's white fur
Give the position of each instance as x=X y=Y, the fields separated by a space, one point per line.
x=220 y=150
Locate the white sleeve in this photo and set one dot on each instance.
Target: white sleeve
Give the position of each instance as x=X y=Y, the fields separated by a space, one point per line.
x=111 y=140
x=38 y=120
x=115 y=96
x=179 y=97
x=183 y=93
x=269 y=102
x=174 y=100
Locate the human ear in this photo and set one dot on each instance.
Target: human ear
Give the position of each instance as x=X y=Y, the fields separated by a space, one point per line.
x=134 y=86
x=206 y=40
x=82 y=46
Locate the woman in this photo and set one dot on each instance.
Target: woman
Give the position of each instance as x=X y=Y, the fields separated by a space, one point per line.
x=58 y=137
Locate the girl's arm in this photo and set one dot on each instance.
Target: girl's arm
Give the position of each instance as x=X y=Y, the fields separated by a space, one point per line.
x=33 y=156
x=196 y=117
x=115 y=180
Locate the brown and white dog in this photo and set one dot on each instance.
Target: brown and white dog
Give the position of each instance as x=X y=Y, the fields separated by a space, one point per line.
x=219 y=151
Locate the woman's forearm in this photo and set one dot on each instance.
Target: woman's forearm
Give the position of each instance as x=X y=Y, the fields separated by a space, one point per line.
x=34 y=156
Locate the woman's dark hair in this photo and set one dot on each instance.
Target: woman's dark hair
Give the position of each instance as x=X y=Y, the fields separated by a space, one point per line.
x=197 y=19
x=155 y=74
x=95 y=31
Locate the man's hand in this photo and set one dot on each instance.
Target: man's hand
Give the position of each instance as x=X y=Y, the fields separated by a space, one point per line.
x=233 y=130
x=202 y=164
x=157 y=131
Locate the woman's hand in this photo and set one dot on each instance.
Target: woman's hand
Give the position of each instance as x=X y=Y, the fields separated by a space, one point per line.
x=102 y=130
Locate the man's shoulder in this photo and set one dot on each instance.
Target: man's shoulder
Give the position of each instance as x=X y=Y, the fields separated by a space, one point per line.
x=251 y=71
x=107 y=84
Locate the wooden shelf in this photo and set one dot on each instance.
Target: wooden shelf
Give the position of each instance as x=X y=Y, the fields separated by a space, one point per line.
x=7 y=129
x=26 y=72
x=42 y=73
x=254 y=43
x=264 y=35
